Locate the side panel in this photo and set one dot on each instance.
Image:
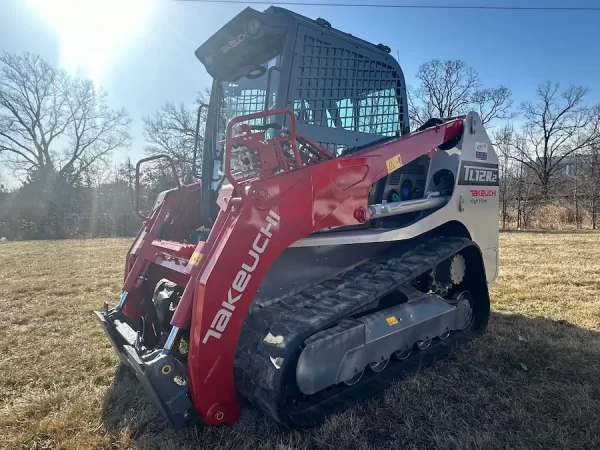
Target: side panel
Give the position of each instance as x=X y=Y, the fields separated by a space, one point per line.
x=474 y=202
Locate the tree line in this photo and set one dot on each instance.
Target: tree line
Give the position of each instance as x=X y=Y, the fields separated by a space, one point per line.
x=58 y=135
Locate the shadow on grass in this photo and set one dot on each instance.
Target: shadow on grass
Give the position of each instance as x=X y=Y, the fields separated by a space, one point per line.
x=528 y=383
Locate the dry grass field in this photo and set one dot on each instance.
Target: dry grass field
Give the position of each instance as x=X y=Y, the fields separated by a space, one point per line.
x=533 y=381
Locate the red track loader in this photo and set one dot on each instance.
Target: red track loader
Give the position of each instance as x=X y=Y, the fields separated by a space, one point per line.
x=326 y=252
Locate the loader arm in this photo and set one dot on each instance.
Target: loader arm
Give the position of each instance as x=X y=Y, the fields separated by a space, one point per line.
x=252 y=231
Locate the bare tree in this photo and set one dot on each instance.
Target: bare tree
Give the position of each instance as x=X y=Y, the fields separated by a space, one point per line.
x=519 y=191
x=574 y=185
x=492 y=104
x=527 y=196
x=591 y=182
x=503 y=142
x=558 y=124
x=172 y=130
x=51 y=121
x=451 y=88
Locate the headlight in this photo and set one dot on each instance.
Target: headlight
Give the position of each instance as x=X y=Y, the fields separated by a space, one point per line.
x=253 y=27
x=208 y=60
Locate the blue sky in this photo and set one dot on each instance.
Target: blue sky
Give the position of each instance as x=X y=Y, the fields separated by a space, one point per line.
x=152 y=60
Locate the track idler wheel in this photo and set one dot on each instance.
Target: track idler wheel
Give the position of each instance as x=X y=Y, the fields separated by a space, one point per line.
x=464 y=301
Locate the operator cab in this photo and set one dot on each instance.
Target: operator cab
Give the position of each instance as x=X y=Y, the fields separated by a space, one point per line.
x=345 y=92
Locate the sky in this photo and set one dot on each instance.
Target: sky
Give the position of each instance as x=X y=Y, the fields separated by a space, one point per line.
x=142 y=51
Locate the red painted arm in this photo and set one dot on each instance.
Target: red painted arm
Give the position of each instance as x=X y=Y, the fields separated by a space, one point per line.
x=268 y=215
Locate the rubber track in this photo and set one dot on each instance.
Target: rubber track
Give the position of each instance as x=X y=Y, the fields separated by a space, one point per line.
x=301 y=315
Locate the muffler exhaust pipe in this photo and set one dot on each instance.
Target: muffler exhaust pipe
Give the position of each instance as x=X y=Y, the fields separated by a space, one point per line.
x=432 y=200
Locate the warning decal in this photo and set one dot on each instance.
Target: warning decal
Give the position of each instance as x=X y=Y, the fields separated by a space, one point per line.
x=391 y=320
x=195 y=259
x=394 y=163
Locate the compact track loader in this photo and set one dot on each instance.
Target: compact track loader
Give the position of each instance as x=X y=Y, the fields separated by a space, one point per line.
x=327 y=250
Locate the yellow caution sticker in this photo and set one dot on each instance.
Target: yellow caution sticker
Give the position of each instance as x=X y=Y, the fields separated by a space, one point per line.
x=392 y=320
x=196 y=257
x=394 y=163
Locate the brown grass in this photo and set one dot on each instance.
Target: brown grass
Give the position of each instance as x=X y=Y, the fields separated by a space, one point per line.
x=533 y=382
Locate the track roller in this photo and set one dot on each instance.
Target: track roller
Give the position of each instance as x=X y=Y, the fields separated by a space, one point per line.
x=354 y=378
x=379 y=366
x=444 y=336
x=401 y=355
x=423 y=345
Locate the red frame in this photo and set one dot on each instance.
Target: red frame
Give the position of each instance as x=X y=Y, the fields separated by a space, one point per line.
x=267 y=214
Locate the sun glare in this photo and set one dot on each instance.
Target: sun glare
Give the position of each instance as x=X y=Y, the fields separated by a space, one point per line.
x=92 y=33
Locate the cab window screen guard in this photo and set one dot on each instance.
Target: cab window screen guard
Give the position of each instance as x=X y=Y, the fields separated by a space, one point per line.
x=343 y=88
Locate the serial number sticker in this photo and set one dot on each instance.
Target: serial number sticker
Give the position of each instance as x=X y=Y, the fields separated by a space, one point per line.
x=391 y=320
x=195 y=259
x=394 y=163
x=481 y=147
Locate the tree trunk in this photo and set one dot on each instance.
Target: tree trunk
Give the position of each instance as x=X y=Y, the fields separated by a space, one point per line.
x=594 y=209
x=577 y=219
x=504 y=192
x=519 y=197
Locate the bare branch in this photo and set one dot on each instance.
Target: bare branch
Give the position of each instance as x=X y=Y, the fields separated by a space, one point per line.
x=450 y=88
x=558 y=124
x=172 y=130
x=42 y=107
x=493 y=104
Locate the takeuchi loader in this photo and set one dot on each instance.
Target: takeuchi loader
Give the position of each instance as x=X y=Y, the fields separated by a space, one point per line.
x=326 y=251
